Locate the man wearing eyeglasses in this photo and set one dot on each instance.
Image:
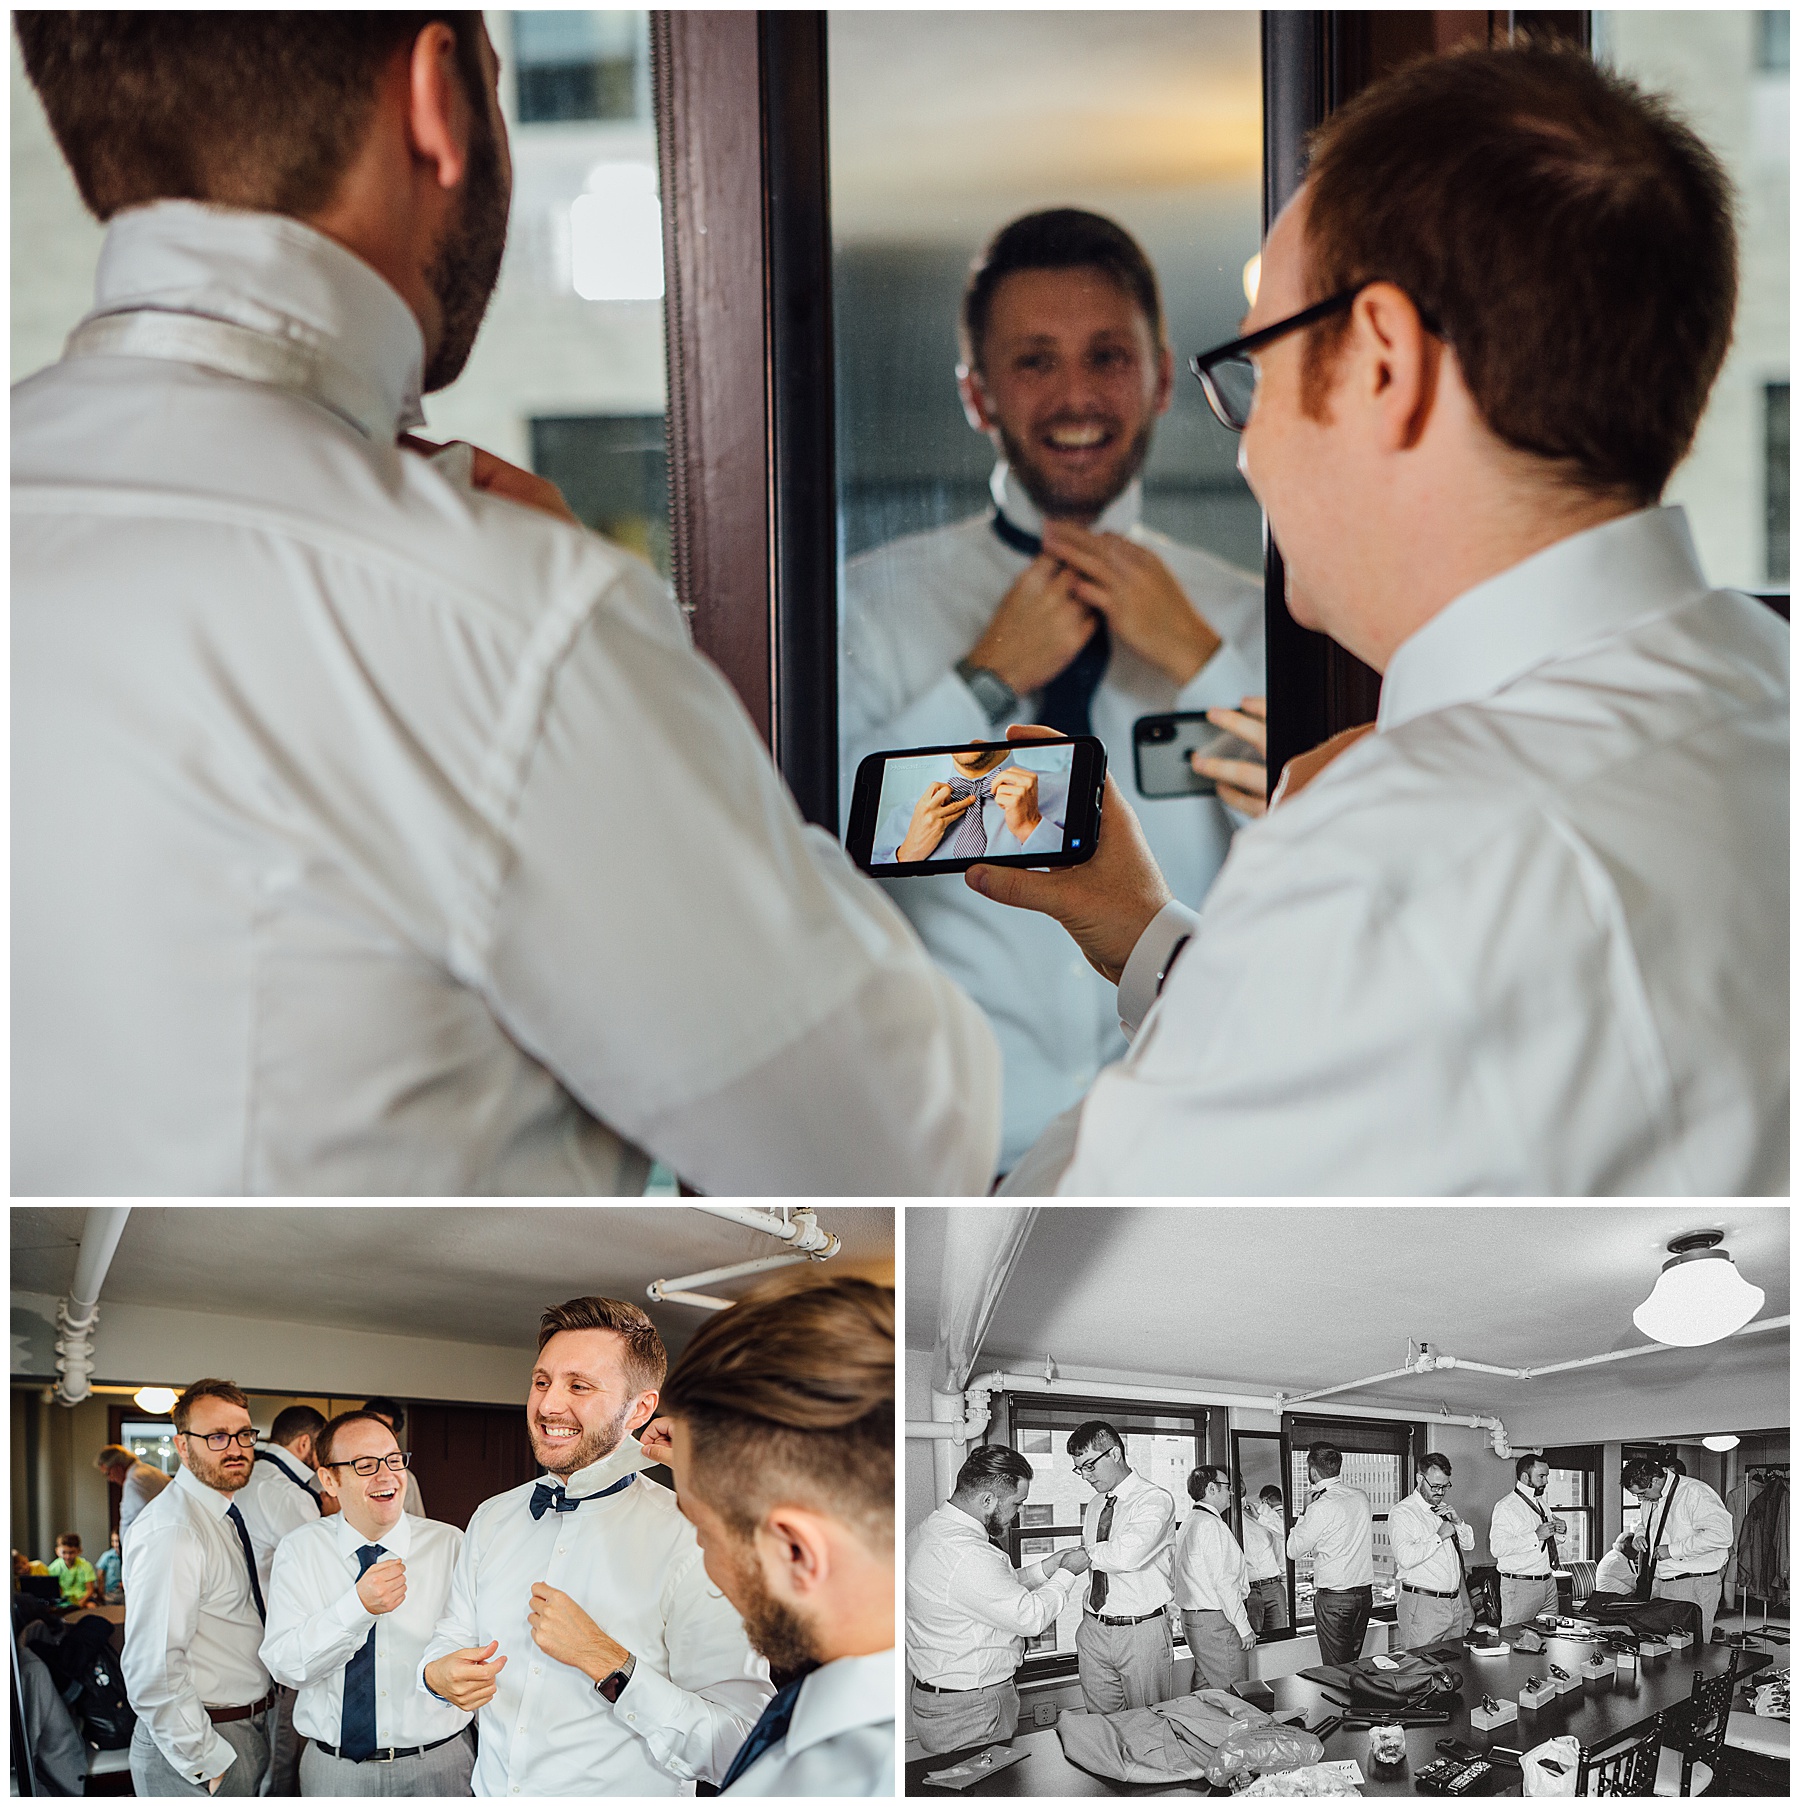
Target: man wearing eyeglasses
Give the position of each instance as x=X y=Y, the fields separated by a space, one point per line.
x=1528 y=931
x=353 y=1602
x=1429 y=1542
x=1122 y=1647
x=193 y=1669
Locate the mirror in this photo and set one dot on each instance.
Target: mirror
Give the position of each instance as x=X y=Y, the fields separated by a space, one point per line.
x=1130 y=145
x=1262 y=1527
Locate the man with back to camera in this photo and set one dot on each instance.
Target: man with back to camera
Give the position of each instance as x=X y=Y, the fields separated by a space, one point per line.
x=1337 y=1531
x=580 y=1628
x=1429 y=1542
x=779 y=1431
x=1265 y=1555
x=1060 y=607
x=353 y=1601
x=346 y=892
x=1683 y=1539
x=1122 y=1650
x=138 y=1483
x=1212 y=1584
x=969 y=1612
x=1486 y=947
x=194 y=1630
x=1522 y=1536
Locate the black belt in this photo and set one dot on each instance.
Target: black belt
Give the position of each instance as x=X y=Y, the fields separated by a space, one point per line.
x=388 y=1753
x=1548 y=1575
x=227 y=1715
x=1691 y=1575
x=1139 y=1620
x=933 y=1688
x=1433 y=1592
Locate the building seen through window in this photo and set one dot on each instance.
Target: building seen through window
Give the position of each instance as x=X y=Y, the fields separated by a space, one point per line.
x=1573 y=1495
x=579 y=65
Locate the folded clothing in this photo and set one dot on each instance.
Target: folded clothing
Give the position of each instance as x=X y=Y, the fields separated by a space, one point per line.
x=1210 y=1734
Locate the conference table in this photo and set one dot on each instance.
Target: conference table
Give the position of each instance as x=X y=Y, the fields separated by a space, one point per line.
x=1601 y=1712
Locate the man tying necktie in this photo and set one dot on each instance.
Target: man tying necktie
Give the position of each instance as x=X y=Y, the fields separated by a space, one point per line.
x=1522 y=1540
x=580 y=1625
x=354 y=1599
x=973 y=803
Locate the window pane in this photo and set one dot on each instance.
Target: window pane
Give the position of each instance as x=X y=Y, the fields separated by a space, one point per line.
x=1568 y=1487
x=1727 y=72
x=153 y=1443
x=1383 y=1478
x=578 y=65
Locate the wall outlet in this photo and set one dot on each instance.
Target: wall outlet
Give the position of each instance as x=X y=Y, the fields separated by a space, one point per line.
x=1044 y=1713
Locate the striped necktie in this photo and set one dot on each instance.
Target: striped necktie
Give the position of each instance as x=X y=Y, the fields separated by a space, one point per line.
x=1100 y=1585
x=970 y=839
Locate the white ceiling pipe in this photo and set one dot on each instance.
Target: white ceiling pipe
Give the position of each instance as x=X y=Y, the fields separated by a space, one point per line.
x=1349 y=1386
x=736 y=1271
x=802 y=1232
x=1625 y=1355
x=705 y=1301
x=79 y=1311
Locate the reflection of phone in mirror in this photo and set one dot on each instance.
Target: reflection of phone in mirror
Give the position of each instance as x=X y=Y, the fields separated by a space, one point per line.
x=1161 y=746
x=944 y=809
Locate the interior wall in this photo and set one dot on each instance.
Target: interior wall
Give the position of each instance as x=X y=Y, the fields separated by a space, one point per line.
x=920 y=1500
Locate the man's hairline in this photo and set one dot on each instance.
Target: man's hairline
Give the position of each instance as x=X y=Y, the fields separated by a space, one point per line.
x=1159 y=331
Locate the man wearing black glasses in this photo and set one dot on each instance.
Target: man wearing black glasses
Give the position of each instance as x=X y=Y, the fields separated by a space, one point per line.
x=353 y=1601
x=192 y=1666
x=1528 y=931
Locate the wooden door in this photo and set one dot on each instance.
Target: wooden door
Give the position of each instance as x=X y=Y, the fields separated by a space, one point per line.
x=464 y=1454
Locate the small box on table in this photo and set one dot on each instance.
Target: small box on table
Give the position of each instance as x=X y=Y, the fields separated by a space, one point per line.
x=1596 y=1669
x=1536 y=1692
x=1492 y=1713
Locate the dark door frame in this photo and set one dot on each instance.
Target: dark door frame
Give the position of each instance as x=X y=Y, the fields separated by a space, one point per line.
x=1279 y=1439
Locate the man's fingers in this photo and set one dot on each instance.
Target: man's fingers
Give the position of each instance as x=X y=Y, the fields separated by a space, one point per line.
x=482 y=1655
x=1251 y=729
x=1015 y=885
x=1033 y=731
x=1246 y=803
x=1241 y=774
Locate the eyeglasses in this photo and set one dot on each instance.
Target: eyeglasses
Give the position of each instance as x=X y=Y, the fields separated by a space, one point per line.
x=1093 y=1461
x=244 y=1439
x=368 y=1465
x=1432 y=1486
x=1228 y=375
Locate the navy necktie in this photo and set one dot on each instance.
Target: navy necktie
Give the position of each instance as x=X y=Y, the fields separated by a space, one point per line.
x=546 y=1496
x=237 y=1518
x=356 y=1729
x=769 y=1729
x=1065 y=703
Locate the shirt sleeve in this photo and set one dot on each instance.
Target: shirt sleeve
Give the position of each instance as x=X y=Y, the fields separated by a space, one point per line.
x=696 y=1717
x=997 y=1595
x=1704 y=1534
x=1465 y=1534
x=165 y=1570
x=1308 y=1529
x=708 y=975
x=1414 y=1540
x=456 y=1624
x=304 y=1642
x=1510 y=1542
x=1140 y=1533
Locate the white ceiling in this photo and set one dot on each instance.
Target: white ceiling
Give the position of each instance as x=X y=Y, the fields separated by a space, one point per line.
x=1309 y=1296
x=476 y=1273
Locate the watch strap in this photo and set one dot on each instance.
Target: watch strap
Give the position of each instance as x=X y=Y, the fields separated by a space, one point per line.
x=990 y=690
x=614 y=1685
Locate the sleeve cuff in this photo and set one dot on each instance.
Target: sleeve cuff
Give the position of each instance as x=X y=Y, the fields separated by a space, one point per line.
x=1148 y=966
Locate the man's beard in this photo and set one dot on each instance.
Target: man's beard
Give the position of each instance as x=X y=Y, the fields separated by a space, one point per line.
x=210 y=1471
x=1099 y=494
x=774 y=1629
x=587 y=1449
x=467 y=266
x=996 y=1527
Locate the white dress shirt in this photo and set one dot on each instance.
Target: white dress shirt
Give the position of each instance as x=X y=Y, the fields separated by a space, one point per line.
x=1514 y=1535
x=1615 y=1573
x=1422 y=1555
x=1210 y=1574
x=1531 y=936
x=1137 y=1552
x=375 y=835
x=192 y=1631
x=1262 y=1550
x=142 y=1485
x=414 y=1496
x=998 y=839
x=278 y=1498
x=1337 y=1531
x=912 y=609
x=840 y=1740
x=968 y=1610
x=317 y=1623
x=1698 y=1529
x=631 y=1562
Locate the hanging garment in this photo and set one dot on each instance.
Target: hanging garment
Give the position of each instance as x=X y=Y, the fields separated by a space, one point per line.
x=1762 y=1544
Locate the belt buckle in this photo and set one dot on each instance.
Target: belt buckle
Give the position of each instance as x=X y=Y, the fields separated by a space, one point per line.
x=389 y=1753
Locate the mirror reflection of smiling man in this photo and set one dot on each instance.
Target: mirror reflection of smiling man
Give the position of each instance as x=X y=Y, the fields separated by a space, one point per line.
x=1058 y=606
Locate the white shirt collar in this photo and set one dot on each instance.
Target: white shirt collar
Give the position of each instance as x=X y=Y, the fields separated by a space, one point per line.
x=289 y=1461
x=1592 y=584
x=840 y=1696
x=959 y=1520
x=396 y=1540
x=626 y=1458
x=272 y=275
x=1121 y=514
x=217 y=1503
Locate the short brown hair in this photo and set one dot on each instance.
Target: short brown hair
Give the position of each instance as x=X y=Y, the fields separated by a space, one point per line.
x=322 y=1442
x=71 y=1538
x=1569 y=236
x=206 y=1389
x=262 y=110
x=1059 y=238
x=794 y=1388
x=114 y=1455
x=646 y=1361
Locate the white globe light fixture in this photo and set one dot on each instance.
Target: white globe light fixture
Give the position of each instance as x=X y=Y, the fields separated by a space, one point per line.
x=1699 y=1296
x=154 y=1399
x=1721 y=1444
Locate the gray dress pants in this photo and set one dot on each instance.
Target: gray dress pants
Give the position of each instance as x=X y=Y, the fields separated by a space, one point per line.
x=1522 y=1601
x=444 y=1771
x=1218 y=1652
x=1123 y=1665
x=153 y=1773
x=1703 y=1590
x=1424 y=1619
x=966 y=1718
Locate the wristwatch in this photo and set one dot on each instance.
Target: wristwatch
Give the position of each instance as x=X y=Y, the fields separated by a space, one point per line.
x=991 y=690
x=614 y=1685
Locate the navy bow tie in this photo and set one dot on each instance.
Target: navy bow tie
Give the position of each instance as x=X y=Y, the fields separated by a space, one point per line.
x=548 y=1498
x=1066 y=702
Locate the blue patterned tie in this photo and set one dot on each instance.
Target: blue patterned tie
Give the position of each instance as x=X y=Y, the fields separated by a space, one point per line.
x=769 y=1729
x=243 y=1531
x=547 y=1497
x=356 y=1730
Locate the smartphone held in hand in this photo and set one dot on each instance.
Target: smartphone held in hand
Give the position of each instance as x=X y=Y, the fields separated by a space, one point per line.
x=1008 y=803
x=1162 y=747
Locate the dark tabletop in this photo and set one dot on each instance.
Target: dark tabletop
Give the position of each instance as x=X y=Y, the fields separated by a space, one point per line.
x=1600 y=1712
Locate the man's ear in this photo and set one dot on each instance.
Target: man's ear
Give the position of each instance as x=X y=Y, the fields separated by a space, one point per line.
x=1399 y=363
x=974 y=399
x=439 y=121
x=794 y=1547
x=643 y=1411
x=1165 y=380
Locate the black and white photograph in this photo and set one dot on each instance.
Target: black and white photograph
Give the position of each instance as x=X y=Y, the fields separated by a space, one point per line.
x=1305 y=1500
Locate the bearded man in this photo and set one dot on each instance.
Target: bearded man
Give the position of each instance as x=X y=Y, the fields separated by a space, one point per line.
x=1056 y=606
x=581 y=1629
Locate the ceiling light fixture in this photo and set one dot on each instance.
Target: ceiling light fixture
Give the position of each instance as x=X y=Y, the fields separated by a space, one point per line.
x=154 y=1399
x=1699 y=1296
x=1721 y=1444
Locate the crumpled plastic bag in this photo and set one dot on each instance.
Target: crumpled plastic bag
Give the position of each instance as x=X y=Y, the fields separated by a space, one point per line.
x=1260 y=1750
x=1315 y=1780
x=1540 y=1779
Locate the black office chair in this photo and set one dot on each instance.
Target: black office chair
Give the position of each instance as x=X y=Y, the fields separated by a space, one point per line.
x=1631 y=1769
x=1694 y=1735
